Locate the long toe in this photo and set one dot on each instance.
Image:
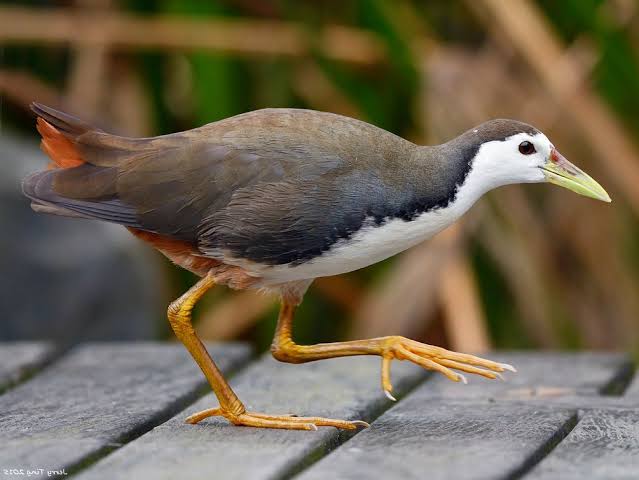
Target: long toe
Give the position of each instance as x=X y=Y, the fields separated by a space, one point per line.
x=290 y=422
x=287 y=421
x=438 y=359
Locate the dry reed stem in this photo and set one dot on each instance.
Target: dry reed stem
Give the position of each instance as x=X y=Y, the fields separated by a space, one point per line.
x=23 y=88
x=233 y=315
x=234 y=36
x=526 y=285
x=404 y=302
x=463 y=316
x=528 y=32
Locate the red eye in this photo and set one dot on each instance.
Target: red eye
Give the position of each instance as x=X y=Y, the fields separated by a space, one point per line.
x=526 y=148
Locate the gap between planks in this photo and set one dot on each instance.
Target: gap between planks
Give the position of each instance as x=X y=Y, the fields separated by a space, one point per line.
x=19 y=361
x=448 y=414
x=97 y=398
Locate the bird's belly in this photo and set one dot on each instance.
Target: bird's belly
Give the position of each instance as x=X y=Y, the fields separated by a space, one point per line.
x=369 y=245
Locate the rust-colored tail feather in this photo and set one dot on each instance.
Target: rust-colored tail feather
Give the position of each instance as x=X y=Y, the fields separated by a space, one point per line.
x=57 y=146
x=60 y=132
x=74 y=185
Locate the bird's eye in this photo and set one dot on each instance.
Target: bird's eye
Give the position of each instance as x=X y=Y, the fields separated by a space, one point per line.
x=526 y=148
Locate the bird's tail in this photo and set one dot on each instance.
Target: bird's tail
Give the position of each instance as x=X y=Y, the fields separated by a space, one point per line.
x=82 y=175
x=59 y=132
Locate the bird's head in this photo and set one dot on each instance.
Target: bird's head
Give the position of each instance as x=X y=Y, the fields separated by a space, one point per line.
x=508 y=151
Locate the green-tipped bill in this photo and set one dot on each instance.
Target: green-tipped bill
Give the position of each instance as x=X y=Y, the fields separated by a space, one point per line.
x=561 y=172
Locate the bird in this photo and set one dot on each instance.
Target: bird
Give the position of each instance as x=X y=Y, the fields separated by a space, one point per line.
x=273 y=198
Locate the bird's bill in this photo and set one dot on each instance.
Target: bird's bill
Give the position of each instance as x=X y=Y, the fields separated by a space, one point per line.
x=561 y=172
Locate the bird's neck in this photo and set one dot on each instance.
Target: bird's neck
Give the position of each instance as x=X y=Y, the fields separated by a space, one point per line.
x=442 y=177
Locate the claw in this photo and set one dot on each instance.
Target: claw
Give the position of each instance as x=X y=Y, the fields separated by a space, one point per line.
x=438 y=359
x=361 y=423
x=386 y=383
x=508 y=367
x=470 y=369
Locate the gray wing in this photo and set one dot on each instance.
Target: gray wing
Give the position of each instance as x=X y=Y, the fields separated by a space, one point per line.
x=293 y=220
x=169 y=189
x=272 y=186
x=327 y=176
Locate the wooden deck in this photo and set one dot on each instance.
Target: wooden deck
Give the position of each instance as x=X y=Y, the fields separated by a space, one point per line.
x=116 y=411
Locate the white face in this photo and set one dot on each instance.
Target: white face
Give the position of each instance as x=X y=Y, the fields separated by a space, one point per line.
x=518 y=159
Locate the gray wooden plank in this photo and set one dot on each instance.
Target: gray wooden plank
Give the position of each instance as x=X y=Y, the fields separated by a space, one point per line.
x=546 y=375
x=95 y=398
x=447 y=440
x=633 y=388
x=583 y=403
x=339 y=388
x=483 y=430
x=20 y=359
x=603 y=446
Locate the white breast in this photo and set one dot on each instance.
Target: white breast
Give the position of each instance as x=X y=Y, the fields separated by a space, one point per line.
x=492 y=167
x=369 y=245
x=372 y=244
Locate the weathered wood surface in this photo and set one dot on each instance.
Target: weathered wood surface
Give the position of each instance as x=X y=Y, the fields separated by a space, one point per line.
x=117 y=411
x=546 y=375
x=19 y=359
x=476 y=432
x=346 y=388
x=604 y=445
x=95 y=399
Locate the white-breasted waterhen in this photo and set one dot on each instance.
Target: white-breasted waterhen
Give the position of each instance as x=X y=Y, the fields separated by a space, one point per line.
x=275 y=198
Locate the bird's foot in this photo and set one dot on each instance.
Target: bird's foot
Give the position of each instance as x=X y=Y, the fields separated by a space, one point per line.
x=437 y=359
x=289 y=422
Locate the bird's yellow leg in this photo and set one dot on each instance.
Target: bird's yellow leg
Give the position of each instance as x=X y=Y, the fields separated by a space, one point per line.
x=231 y=407
x=388 y=348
